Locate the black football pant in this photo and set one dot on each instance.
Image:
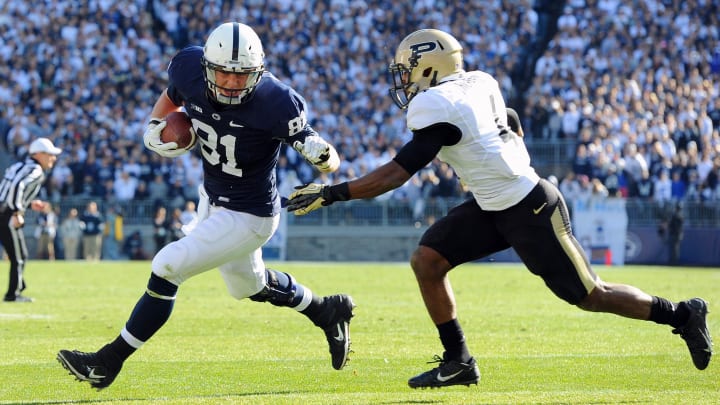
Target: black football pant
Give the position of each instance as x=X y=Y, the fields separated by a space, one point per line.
x=13 y=241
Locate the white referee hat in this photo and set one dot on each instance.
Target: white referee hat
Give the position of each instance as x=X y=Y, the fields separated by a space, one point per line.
x=43 y=145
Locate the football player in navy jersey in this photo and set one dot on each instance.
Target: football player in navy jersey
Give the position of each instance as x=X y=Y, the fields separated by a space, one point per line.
x=241 y=115
x=461 y=118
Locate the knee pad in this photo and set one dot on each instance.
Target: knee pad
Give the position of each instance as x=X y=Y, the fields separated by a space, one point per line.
x=279 y=290
x=168 y=263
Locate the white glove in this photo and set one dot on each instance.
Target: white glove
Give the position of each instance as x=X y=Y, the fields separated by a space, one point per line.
x=152 y=141
x=315 y=149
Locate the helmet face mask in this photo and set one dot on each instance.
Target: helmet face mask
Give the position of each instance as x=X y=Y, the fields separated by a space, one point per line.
x=422 y=59
x=232 y=48
x=400 y=92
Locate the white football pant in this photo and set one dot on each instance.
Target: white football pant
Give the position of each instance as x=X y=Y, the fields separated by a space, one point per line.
x=229 y=240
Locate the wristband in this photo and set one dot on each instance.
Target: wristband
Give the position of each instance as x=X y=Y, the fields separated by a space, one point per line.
x=338 y=192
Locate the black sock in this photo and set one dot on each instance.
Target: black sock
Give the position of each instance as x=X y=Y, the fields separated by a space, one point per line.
x=453 y=340
x=665 y=312
x=116 y=351
x=314 y=311
x=153 y=309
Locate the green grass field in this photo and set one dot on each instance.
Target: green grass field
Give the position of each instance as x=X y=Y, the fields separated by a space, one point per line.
x=531 y=347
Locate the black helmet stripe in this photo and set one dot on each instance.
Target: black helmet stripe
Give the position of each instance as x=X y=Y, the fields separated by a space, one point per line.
x=236 y=41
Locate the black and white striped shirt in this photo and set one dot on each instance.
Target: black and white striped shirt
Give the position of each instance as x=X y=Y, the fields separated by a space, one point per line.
x=20 y=185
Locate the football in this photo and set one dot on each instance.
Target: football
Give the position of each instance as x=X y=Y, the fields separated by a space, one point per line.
x=179 y=130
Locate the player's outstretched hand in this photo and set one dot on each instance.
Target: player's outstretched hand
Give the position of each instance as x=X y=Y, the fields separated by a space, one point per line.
x=152 y=140
x=308 y=198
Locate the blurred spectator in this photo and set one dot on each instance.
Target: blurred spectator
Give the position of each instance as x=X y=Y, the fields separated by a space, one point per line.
x=662 y=188
x=677 y=187
x=582 y=165
x=93 y=225
x=71 y=231
x=124 y=187
x=133 y=247
x=175 y=225
x=188 y=214
x=176 y=195
x=585 y=190
x=675 y=234
x=671 y=231
x=45 y=232
x=569 y=186
x=555 y=121
x=710 y=189
x=113 y=233
x=158 y=190
x=161 y=228
x=571 y=121
x=635 y=167
x=598 y=189
x=643 y=188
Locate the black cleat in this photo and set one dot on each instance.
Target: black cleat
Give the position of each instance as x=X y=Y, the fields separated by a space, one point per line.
x=696 y=333
x=449 y=372
x=337 y=330
x=88 y=367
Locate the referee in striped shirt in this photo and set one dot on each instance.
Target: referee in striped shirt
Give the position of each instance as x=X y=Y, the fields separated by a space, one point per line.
x=18 y=189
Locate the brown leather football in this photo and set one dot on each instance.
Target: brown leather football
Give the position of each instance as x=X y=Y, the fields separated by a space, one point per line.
x=179 y=130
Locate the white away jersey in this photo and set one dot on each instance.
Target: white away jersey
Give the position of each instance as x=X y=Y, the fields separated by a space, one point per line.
x=496 y=169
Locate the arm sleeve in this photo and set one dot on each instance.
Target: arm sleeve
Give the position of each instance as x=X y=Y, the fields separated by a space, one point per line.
x=425 y=145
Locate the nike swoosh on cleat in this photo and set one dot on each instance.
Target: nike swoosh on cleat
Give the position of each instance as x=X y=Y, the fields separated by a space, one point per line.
x=442 y=378
x=537 y=210
x=93 y=375
x=233 y=124
x=340 y=336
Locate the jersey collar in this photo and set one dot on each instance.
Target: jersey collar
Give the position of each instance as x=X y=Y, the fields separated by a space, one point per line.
x=454 y=76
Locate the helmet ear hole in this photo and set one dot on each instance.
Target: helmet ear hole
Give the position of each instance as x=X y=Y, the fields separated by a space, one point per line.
x=427 y=72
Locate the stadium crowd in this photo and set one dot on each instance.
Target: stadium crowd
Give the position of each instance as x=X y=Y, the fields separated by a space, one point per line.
x=634 y=86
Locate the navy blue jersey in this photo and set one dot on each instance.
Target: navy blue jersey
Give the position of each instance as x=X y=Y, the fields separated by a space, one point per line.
x=239 y=145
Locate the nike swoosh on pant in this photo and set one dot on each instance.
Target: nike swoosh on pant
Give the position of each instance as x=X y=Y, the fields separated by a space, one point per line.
x=537 y=210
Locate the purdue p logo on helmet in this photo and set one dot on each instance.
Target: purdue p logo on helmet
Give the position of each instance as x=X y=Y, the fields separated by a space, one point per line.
x=422 y=59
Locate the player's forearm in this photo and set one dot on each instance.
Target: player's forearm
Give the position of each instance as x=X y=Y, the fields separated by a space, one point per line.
x=381 y=180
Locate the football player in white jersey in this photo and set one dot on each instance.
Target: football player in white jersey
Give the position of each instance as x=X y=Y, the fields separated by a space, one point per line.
x=241 y=114
x=461 y=118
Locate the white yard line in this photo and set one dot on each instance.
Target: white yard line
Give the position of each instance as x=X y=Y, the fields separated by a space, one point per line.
x=24 y=316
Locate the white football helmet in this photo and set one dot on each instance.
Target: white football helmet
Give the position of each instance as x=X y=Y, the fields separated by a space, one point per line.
x=421 y=60
x=234 y=48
